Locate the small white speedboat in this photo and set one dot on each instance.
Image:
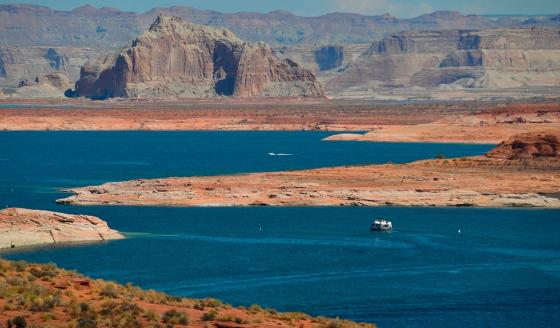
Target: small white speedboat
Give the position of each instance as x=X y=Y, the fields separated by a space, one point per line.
x=381 y=225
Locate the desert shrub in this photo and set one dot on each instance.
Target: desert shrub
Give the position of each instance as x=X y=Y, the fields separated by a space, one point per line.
x=441 y=156
x=107 y=308
x=175 y=317
x=127 y=320
x=20 y=266
x=72 y=307
x=48 y=317
x=15 y=281
x=43 y=272
x=152 y=296
x=151 y=316
x=231 y=318
x=17 y=322
x=208 y=302
x=43 y=304
x=109 y=290
x=255 y=308
x=210 y=316
x=87 y=322
x=336 y=323
x=293 y=316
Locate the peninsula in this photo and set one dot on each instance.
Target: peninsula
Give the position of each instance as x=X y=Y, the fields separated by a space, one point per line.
x=523 y=171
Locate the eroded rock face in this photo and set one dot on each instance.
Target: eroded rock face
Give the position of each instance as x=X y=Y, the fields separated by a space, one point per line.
x=23 y=227
x=19 y=63
x=500 y=58
x=261 y=73
x=48 y=86
x=178 y=59
x=528 y=146
x=11 y=62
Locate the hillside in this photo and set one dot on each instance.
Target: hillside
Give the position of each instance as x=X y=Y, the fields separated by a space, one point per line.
x=42 y=295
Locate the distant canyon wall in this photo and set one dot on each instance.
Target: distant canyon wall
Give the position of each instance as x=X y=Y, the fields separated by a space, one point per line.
x=110 y=28
x=18 y=63
x=500 y=58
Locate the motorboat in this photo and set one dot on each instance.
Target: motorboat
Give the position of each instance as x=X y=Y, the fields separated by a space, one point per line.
x=381 y=225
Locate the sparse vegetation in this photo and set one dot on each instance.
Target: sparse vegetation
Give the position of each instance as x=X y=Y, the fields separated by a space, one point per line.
x=175 y=317
x=33 y=295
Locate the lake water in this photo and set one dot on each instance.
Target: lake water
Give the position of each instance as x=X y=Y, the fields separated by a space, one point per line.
x=503 y=269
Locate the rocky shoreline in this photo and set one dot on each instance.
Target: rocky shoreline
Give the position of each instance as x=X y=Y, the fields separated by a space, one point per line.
x=462 y=122
x=485 y=127
x=23 y=227
x=528 y=178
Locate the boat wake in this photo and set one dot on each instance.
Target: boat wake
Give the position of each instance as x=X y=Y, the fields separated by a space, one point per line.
x=279 y=154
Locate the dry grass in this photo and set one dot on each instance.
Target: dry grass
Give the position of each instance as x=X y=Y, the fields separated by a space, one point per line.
x=35 y=295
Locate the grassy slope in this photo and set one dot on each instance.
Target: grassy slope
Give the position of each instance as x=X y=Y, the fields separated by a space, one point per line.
x=46 y=296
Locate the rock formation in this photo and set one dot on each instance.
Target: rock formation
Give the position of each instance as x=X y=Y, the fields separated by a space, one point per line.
x=321 y=59
x=179 y=59
x=528 y=146
x=23 y=227
x=261 y=73
x=11 y=62
x=19 y=63
x=501 y=58
x=53 y=85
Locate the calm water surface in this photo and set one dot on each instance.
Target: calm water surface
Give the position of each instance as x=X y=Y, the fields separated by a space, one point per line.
x=503 y=270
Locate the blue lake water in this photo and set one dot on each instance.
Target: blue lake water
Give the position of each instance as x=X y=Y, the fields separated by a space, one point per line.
x=503 y=270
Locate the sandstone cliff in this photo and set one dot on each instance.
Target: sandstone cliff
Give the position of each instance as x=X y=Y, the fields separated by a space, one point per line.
x=178 y=59
x=528 y=146
x=260 y=72
x=23 y=227
x=501 y=58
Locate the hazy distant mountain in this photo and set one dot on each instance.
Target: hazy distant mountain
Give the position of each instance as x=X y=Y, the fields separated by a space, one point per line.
x=112 y=28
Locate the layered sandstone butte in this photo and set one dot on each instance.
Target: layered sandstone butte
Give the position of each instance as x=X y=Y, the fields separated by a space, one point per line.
x=528 y=146
x=500 y=58
x=178 y=59
x=23 y=227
